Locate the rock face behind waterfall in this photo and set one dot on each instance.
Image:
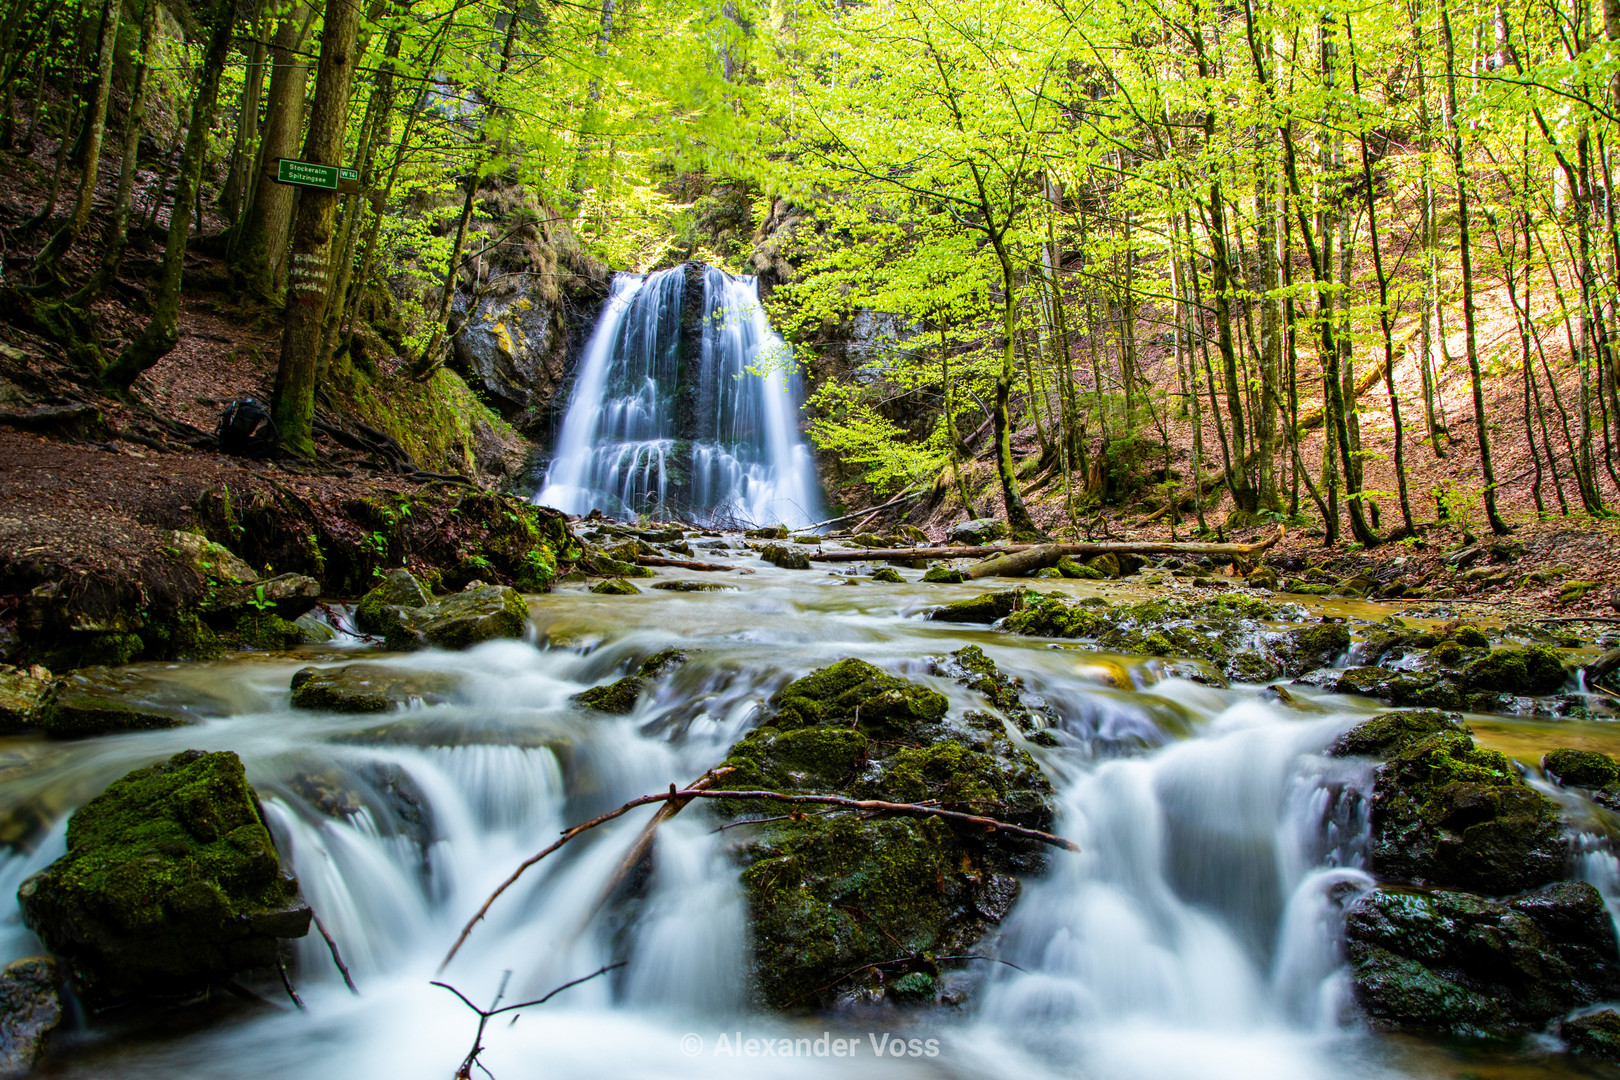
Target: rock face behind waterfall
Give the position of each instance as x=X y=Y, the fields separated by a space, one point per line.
x=850 y=909
x=170 y=882
x=1453 y=826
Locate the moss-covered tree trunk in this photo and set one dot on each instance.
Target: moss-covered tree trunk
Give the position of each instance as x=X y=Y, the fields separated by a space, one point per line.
x=162 y=331
x=293 y=402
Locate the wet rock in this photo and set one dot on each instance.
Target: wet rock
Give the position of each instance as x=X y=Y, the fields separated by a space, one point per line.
x=287 y=596
x=662 y=663
x=869 y=540
x=1448 y=813
x=314 y=629
x=693 y=586
x=1458 y=964
x=830 y=895
x=1068 y=568
x=170 y=882
x=1305 y=648
x=597 y=564
x=1593 y=1035
x=942 y=575
x=22 y=697
x=773 y=532
x=475 y=615
x=1417 y=688
x=108 y=701
x=985 y=608
x=30 y=1009
x=784 y=557
x=370 y=688
x=615 y=587
x=1536 y=670
x=1263 y=578
x=616 y=698
x=888 y=575
x=381 y=609
x=978 y=531
x=970 y=667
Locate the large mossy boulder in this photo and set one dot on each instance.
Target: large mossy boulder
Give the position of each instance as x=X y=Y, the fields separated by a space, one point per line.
x=784 y=557
x=1593 y=1034
x=170 y=882
x=30 y=1009
x=113 y=701
x=1536 y=670
x=849 y=908
x=370 y=688
x=383 y=608
x=1457 y=964
x=1448 y=813
x=1424 y=689
x=616 y=698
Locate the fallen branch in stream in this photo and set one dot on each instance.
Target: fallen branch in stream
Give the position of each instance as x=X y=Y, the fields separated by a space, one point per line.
x=987 y=551
x=464 y=1072
x=869 y=511
x=682 y=564
x=337 y=957
x=675 y=794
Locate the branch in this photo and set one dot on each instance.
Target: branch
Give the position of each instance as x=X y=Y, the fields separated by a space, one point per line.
x=988 y=824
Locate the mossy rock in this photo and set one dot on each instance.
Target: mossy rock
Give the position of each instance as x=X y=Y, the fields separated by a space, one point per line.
x=1536 y=670
x=1576 y=590
x=942 y=575
x=970 y=667
x=211 y=562
x=772 y=532
x=1595 y=1035
x=1456 y=964
x=978 y=531
x=110 y=701
x=615 y=587
x=693 y=586
x=888 y=575
x=1105 y=565
x=1448 y=813
x=462 y=620
x=381 y=609
x=985 y=608
x=662 y=663
x=1306 y=648
x=1424 y=689
x=23 y=692
x=371 y=688
x=286 y=596
x=846 y=906
x=1067 y=567
x=1581 y=768
x=616 y=698
x=599 y=565
x=784 y=557
x=170 y=883
x=853 y=690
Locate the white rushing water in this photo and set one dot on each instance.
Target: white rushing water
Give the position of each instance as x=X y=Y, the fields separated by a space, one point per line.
x=711 y=437
x=1197 y=935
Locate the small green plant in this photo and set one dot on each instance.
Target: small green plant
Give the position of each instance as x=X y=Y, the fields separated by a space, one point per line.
x=257 y=601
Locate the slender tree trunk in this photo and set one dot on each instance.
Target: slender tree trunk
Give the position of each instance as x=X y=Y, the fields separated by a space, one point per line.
x=244 y=152
x=162 y=331
x=1460 y=168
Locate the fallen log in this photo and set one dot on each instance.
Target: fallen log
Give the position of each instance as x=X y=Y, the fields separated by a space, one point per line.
x=1085 y=551
x=1017 y=563
x=683 y=564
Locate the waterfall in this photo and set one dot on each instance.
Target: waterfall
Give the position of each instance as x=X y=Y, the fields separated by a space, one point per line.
x=684 y=403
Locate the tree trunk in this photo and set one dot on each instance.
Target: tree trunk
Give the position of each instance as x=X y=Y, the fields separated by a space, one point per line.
x=293 y=401
x=259 y=250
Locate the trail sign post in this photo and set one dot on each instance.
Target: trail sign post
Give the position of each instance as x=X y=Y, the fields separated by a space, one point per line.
x=323 y=177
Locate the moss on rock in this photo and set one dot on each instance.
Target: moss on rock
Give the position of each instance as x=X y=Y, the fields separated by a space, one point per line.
x=985 y=608
x=370 y=688
x=170 y=882
x=1582 y=768
x=1446 y=812
x=108 y=701
x=942 y=575
x=615 y=587
x=616 y=698
x=857 y=691
x=785 y=558
x=1536 y=670
x=889 y=575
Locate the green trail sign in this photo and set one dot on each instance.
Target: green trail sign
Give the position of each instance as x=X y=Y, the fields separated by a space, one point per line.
x=324 y=177
x=304 y=174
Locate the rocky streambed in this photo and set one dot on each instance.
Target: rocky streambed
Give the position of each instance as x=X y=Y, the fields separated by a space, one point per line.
x=1304 y=825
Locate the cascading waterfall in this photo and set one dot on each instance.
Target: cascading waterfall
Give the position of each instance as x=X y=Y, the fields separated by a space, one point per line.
x=1196 y=935
x=685 y=403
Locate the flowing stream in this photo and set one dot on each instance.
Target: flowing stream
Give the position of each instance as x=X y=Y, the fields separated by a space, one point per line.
x=1196 y=936
x=684 y=401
